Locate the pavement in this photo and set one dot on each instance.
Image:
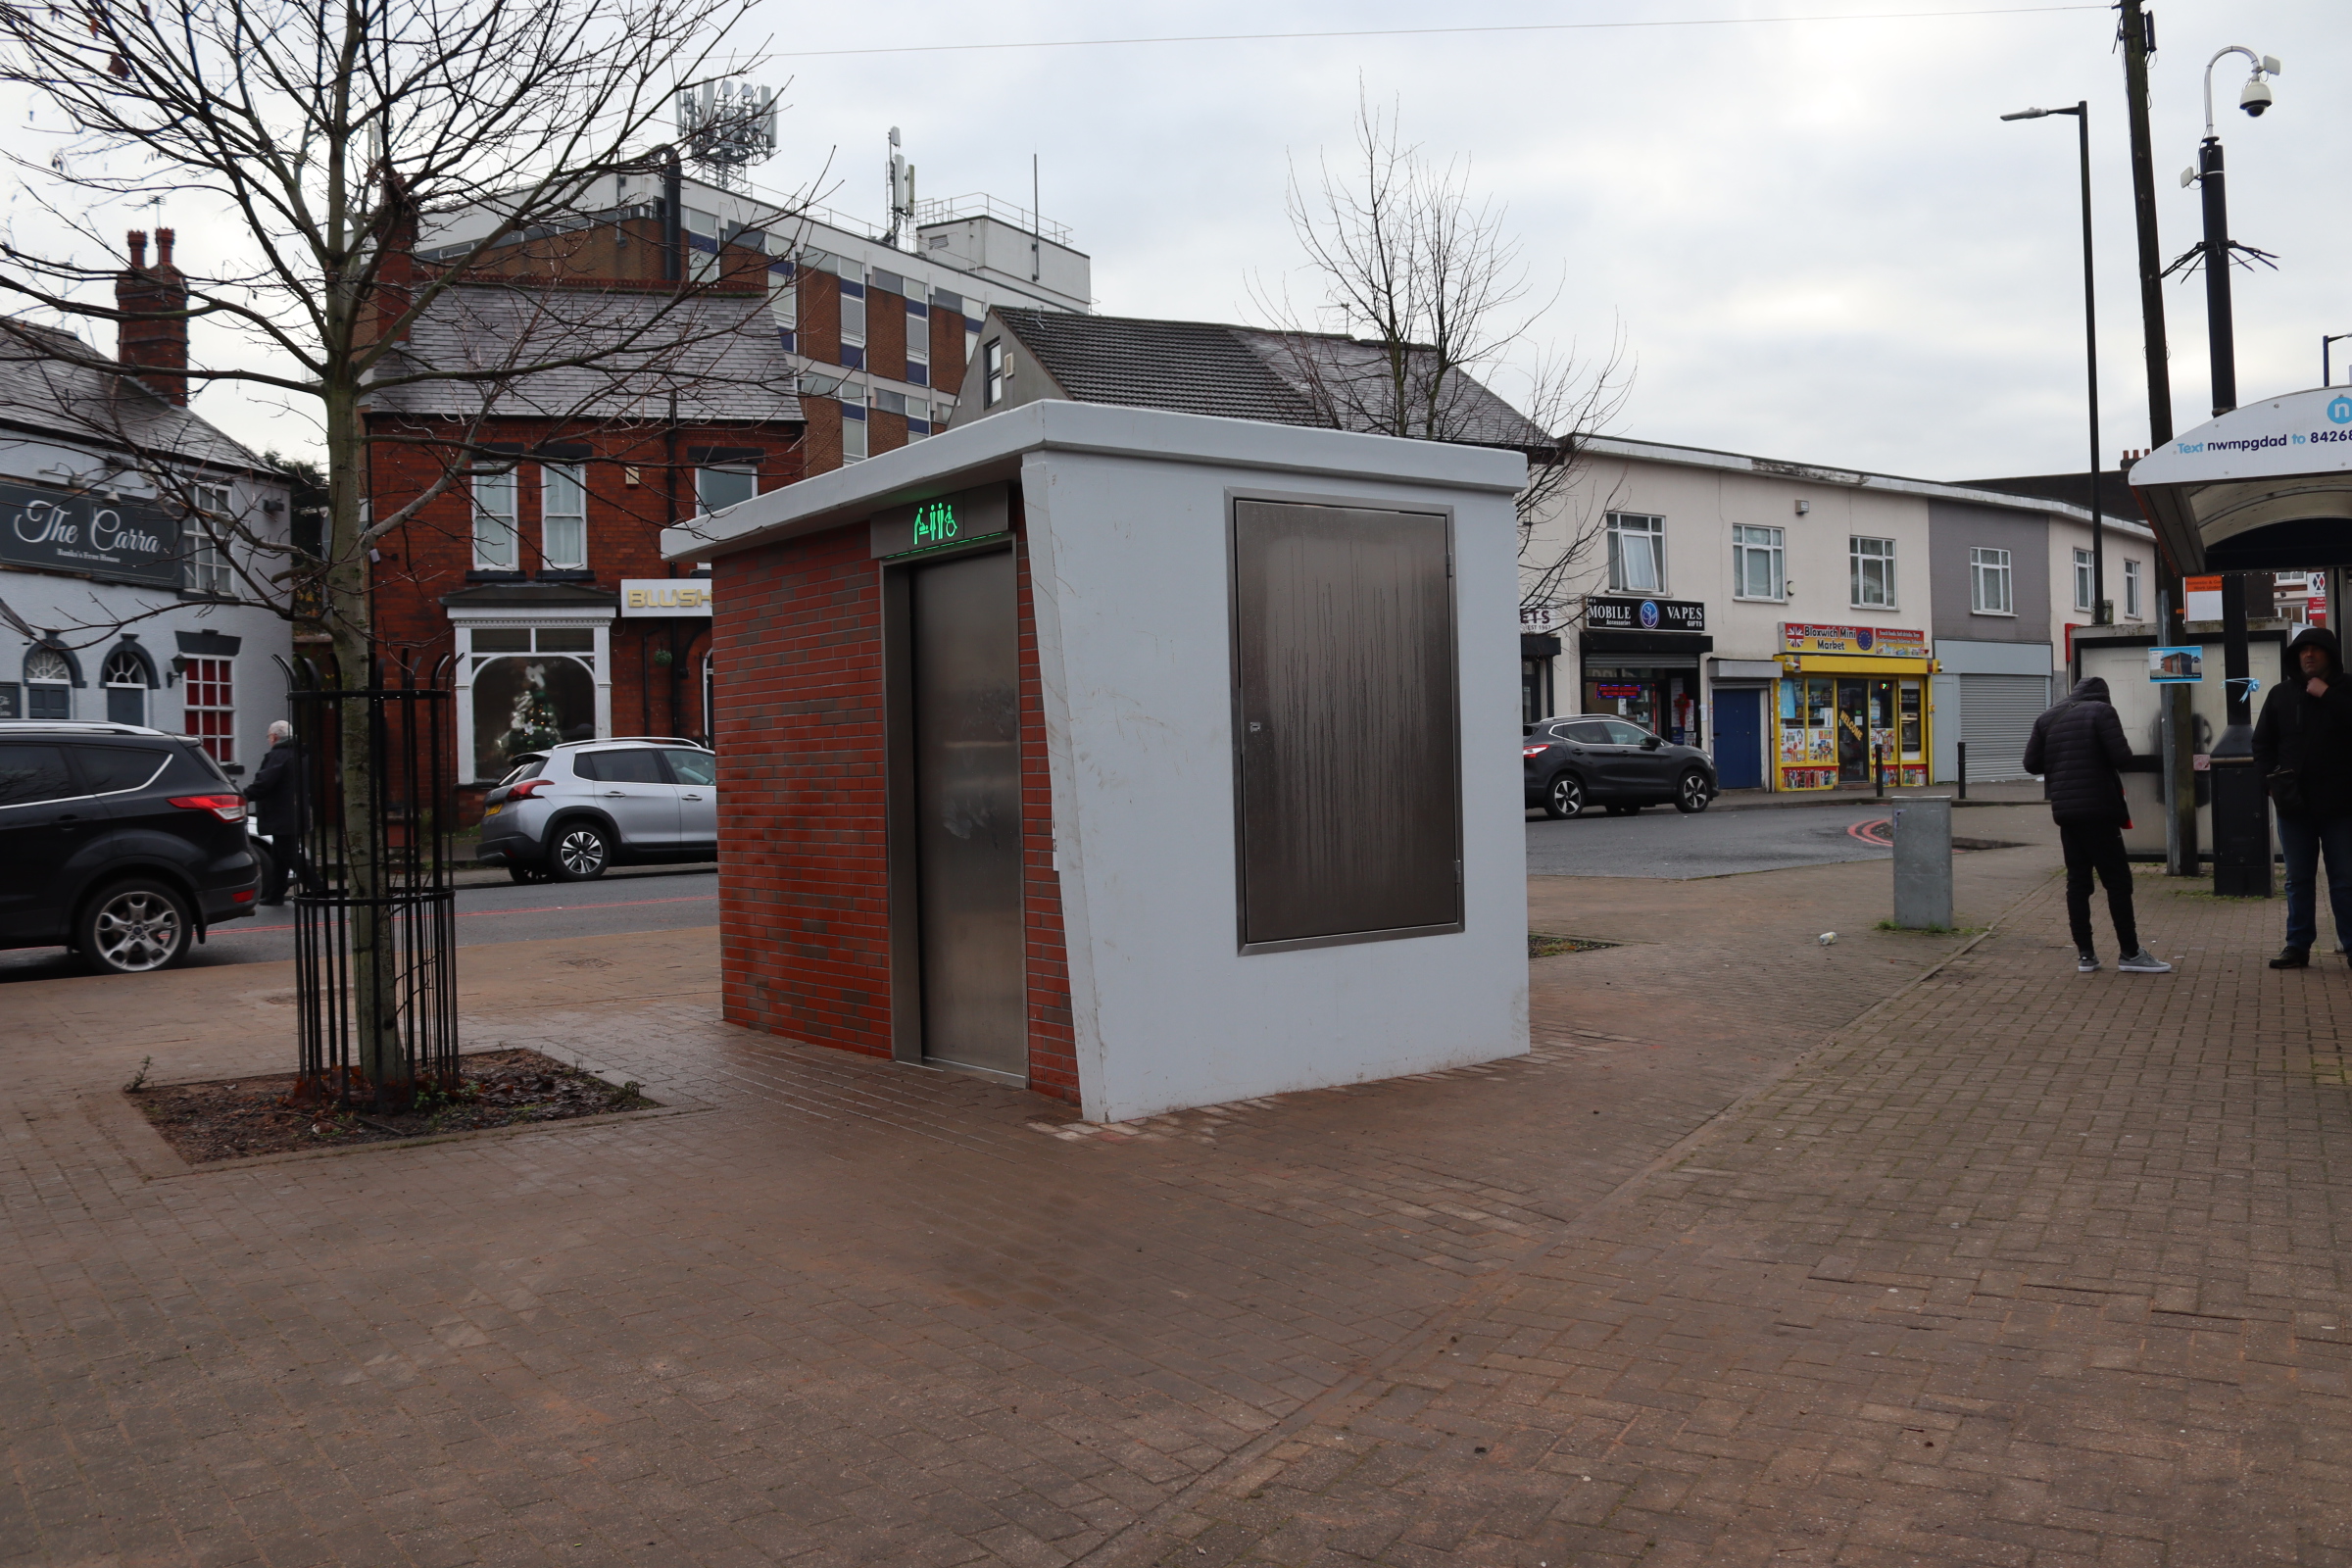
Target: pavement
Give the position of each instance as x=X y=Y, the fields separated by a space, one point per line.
x=1907 y=1248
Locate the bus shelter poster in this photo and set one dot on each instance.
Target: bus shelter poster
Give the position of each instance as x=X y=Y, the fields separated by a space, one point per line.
x=2176 y=665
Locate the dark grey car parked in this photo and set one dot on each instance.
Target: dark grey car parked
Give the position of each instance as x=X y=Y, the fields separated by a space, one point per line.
x=1592 y=759
x=121 y=841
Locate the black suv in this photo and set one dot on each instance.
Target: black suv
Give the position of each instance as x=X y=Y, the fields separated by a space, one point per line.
x=1598 y=758
x=123 y=843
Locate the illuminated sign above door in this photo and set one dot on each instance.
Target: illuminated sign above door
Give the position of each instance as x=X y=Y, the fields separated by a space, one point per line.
x=935 y=524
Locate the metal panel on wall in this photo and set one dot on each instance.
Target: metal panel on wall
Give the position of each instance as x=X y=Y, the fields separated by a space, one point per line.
x=967 y=799
x=1349 y=793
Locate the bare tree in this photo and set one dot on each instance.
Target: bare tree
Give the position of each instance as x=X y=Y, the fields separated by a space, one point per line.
x=1425 y=306
x=327 y=131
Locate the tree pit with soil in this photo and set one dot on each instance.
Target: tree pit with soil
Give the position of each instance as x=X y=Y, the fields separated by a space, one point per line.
x=242 y=1117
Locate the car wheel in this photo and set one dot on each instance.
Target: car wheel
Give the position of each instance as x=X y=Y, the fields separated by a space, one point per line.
x=1691 y=793
x=134 y=928
x=1564 y=796
x=264 y=868
x=581 y=853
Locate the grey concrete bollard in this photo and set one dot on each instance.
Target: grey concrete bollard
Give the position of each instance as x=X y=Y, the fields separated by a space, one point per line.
x=1923 y=863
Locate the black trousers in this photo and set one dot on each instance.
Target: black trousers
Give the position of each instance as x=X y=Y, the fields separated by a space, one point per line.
x=2098 y=847
x=286 y=858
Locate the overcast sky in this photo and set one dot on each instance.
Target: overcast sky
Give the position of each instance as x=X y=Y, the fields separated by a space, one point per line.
x=1817 y=238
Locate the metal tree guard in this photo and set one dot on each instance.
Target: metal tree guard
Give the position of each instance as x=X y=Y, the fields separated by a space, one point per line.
x=376 y=972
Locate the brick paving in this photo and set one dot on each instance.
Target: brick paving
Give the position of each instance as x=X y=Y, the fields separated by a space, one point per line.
x=1757 y=1223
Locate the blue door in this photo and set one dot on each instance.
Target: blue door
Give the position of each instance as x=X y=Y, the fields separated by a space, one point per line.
x=1739 y=739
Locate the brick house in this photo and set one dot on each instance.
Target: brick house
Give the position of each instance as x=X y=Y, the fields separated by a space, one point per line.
x=813 y=345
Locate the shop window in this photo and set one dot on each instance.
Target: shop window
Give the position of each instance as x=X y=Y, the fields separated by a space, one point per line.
x=1989 y=585
x=1636 y=553
x=48 y=684
x=562 y=516
x=1759 y=561
x=1914 y=722
x=209 y=690
x=127 y=680
x=2083 y=587
x=1872 y=561
x=716 y=489
x=495 y=540
x=523 y=703
x=2132 y=589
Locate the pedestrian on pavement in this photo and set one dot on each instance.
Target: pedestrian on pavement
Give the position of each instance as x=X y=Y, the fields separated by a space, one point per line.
x=2079 y=749
x=2303 y=749
x=281 y=813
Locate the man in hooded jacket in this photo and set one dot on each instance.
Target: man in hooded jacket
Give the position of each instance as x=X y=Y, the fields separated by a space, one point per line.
x=2079 y=749
x=2303 y=748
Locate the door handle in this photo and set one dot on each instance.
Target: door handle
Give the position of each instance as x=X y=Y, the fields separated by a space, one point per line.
x=614 y=794
x=694 y=797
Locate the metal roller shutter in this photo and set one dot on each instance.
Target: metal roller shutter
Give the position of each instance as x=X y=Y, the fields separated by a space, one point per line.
x=1996 y=716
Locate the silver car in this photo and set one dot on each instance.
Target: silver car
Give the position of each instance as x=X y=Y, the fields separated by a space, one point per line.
x=571 y=811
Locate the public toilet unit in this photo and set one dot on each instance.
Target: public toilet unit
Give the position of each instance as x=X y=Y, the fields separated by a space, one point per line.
x=1143 y=759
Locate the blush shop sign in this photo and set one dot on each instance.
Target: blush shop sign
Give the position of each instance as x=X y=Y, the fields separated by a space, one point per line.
x=57 y=530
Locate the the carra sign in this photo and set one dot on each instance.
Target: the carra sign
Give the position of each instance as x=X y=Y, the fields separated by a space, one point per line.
x=121 y=540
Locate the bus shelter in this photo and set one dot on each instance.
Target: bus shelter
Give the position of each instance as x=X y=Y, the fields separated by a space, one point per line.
x=2263 y=488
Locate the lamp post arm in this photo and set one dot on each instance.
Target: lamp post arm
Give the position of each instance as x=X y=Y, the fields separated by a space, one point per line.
x=2234 y=49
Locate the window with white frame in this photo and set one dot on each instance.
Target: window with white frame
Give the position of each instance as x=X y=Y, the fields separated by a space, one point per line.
x=852 y=313
x=1990 y=590
x=208 y=540
x=997 y=369
x=1873 y=571
x=852 y=433
x=2131 y=609
x=918 y=344
x=210 y=695
x=496 y=542
x=1759 y=563
x=2084 y=587
x=562 y=516
x=1636 y=553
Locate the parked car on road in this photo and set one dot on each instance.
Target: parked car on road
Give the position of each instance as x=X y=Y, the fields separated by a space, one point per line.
x=572 y=811
x=121 y=841
x=1589 y=759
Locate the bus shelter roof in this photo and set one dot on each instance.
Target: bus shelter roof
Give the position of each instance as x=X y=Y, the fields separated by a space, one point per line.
x=2263 y=488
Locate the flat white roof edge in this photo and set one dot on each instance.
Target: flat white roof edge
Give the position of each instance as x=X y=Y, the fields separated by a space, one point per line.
x=992 y=448
x=1847 y=478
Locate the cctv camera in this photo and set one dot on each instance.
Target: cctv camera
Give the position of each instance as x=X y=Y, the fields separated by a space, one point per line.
x=2255 y=97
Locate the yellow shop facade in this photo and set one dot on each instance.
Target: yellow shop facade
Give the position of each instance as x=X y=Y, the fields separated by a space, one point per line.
x=1852 y=700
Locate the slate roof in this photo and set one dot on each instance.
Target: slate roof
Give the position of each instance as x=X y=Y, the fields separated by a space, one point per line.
x=53 y=382
x=1246 y=373
x=720 y=355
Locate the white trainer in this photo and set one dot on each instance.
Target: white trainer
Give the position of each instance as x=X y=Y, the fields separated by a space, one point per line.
x=2143 y=963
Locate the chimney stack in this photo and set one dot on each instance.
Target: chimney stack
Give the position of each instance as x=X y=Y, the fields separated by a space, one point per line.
x=154 y=326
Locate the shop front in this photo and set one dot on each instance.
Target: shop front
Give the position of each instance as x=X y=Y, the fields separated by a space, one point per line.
x=1640 y=660
x=1852 y=699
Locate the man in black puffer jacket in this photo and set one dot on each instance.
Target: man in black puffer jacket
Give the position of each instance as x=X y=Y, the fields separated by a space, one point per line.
x=2079 y=748
x=2303 y=749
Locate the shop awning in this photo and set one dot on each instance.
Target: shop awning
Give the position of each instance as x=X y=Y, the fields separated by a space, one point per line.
x=2263 y=488
x=1855 y=665
x=1682 y=647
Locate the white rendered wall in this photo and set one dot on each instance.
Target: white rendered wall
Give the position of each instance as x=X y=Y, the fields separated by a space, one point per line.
x=1129 y=566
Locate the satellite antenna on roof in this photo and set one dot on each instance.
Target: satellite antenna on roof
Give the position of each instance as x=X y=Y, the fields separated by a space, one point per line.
x=901 y=174
x=727 y=127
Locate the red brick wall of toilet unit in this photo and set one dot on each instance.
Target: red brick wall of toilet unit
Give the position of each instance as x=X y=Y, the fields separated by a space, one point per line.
x=804 y=858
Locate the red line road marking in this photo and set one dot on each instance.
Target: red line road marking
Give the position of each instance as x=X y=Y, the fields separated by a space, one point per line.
x=1869 y=832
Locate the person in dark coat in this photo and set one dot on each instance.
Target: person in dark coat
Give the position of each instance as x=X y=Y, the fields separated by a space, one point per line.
x=2079 y=749
x=2303 y=749
x=280 y=811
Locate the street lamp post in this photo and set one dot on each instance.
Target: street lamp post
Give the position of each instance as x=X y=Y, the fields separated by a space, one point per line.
x=2241 y=816
x=2101 y=612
